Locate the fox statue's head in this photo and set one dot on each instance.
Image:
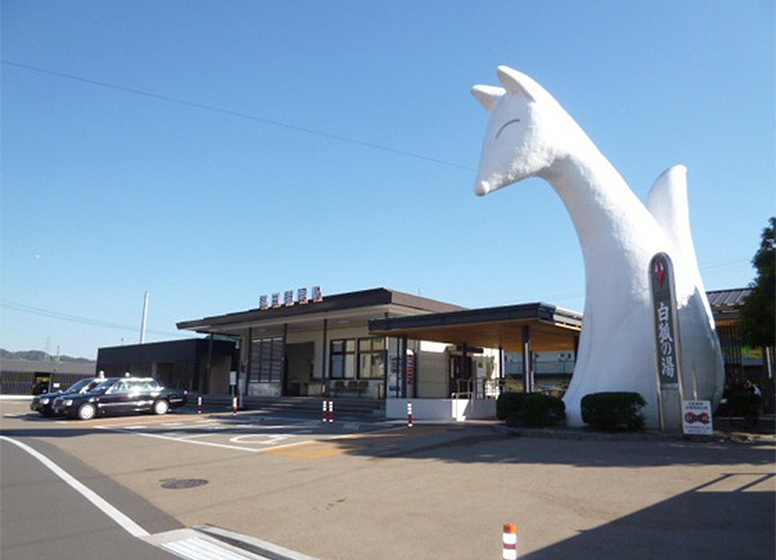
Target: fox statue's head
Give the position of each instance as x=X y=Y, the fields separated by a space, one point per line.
x=526 y=132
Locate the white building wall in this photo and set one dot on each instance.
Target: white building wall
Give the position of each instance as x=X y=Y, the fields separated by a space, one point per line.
x=433 y=370
x=441 y=410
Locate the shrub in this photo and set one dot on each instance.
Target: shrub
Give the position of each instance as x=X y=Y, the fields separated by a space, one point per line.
x=540 y=411
x=507 y=403
x=613 y=411
x=530 y=410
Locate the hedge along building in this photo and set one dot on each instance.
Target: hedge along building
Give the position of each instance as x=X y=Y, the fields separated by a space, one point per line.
x=389 y=346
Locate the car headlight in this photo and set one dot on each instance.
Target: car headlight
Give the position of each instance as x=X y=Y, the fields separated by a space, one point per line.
x=44 y=401
x=67 y=402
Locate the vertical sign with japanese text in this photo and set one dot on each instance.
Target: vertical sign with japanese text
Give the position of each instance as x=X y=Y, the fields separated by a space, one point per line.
x=668 y=351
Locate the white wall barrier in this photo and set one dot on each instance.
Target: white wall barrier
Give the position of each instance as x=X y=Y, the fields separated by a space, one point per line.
x=441 y=410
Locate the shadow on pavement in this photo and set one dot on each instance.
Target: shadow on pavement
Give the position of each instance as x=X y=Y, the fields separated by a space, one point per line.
x=731 y=517
x=481 y=444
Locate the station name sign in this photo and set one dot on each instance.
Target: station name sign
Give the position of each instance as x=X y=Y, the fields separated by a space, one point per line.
x=302 y=298
x=665 y=322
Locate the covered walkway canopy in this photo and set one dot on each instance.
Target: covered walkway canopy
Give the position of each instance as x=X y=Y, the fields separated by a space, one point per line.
x=545 y=327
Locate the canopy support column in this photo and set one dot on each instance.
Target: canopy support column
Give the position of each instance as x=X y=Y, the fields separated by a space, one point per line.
x=528 y=373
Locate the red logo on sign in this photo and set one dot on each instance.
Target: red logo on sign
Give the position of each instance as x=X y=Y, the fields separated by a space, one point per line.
x=660 y=271
x=692 y=418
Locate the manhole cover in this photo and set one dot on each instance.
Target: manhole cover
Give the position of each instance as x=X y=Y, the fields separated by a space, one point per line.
x=179 y=483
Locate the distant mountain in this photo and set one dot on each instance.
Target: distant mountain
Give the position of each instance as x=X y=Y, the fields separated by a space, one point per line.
x=38 y=356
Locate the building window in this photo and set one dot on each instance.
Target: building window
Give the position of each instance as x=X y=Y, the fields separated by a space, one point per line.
x=362 y=359
x=371 y=358
x=267 y=356
x=343 y=359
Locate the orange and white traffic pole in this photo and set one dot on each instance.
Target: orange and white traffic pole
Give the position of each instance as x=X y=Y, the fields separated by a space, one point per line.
x=409 y=414
x=509 y=540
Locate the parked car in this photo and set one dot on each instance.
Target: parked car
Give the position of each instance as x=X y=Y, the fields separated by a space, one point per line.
x=44 y=404
x=120 y=395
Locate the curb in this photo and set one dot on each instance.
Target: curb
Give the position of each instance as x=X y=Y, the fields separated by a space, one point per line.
x=566 y=433
x=251 y=544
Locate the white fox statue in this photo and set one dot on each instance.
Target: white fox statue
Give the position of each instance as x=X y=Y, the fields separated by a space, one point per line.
x=530 y=135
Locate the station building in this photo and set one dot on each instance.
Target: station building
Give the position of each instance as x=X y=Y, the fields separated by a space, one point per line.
x=197 y=365
x=391 y=346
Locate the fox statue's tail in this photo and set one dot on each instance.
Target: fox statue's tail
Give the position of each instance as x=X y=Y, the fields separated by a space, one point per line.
x=667 y=202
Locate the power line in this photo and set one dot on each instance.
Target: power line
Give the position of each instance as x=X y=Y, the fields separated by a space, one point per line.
x=76 y=319
x=216 y=109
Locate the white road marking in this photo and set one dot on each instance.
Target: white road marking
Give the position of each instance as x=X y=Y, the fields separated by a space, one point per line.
x=197 y=548
x=269 y=439
x=183 y=543
x=123 y=521
x=208 y=443
x=181 y=440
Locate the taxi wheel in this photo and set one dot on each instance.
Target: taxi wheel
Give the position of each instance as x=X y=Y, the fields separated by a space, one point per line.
x=87 y=411
x=161 y=407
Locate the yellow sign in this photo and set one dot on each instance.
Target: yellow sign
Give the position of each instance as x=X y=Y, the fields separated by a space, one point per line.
x=754 y=353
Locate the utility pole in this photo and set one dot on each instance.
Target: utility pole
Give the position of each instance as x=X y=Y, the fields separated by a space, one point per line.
x=144 y=322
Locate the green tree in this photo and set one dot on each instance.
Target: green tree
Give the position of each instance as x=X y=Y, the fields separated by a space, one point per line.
x=758 y=312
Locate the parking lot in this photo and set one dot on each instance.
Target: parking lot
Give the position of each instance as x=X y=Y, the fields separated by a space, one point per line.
x=256 y=432
x=351 y=490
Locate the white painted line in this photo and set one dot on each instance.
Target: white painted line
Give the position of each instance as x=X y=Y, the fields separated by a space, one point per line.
x=187 y=439
x=269 y=439
x=200 y=549
x=123 y=521
x=264 y=549
x=180 y=440
x=294 y=444
x=195 y=436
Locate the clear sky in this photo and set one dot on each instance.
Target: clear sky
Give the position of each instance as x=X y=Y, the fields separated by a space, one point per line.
x=212 y=151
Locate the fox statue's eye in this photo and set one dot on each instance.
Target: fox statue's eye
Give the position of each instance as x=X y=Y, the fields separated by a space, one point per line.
x=506 y=124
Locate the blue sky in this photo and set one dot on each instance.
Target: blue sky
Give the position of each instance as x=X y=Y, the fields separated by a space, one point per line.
x=209 y=152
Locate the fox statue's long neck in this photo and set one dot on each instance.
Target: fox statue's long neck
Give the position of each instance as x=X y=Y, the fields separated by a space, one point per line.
x=606 y=214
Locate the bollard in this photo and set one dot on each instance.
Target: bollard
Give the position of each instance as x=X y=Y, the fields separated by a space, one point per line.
x=325 y=408
x=234 y=405
x=509 y=540
x=331 y=412
x=409 y=414
x=199 y=405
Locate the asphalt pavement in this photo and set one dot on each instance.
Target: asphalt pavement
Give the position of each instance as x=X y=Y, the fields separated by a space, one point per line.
x=388 y=492
x=42 y=517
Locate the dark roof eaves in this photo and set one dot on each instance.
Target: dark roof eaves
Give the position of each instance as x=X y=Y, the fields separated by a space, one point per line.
x=336 y=302
x=540 y=311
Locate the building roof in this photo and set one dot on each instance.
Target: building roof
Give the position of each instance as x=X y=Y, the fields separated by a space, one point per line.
x=551 y=328
x=397 y=314
x=167 y=351
x=85 y=368
x=725 y=303
x=351 y=307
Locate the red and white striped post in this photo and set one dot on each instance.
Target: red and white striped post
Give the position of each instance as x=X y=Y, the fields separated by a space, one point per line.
x=234 y=405
x=509 y=541
x=199 y=405
x=331 y=412
x=409 y=414
x=325 y=409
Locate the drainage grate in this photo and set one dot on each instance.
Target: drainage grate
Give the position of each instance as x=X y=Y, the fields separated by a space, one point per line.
x=180 y=483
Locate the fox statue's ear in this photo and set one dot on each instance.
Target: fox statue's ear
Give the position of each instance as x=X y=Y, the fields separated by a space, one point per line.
x=516 y=82
x=488 y=96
